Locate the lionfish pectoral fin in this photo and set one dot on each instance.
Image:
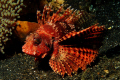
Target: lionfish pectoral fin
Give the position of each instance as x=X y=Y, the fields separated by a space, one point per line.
x=69 y=59
x=93 y=31
x=61 y=64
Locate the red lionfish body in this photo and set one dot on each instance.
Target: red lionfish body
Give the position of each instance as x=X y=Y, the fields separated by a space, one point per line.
x=53 y=38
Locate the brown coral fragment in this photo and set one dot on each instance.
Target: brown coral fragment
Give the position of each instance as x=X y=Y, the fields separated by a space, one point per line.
x=24 y=28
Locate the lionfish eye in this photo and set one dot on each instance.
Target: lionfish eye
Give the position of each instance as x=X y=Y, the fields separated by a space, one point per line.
x=37 y=41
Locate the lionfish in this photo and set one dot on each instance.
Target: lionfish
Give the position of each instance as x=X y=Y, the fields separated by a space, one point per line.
x=57 y=37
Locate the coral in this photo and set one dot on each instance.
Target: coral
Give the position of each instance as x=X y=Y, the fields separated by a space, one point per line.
x=56 y=4
x=60 y=1
x=9 y=11
x=57 y=37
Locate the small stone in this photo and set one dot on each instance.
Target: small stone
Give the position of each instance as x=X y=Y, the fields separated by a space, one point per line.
x=106 y=71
